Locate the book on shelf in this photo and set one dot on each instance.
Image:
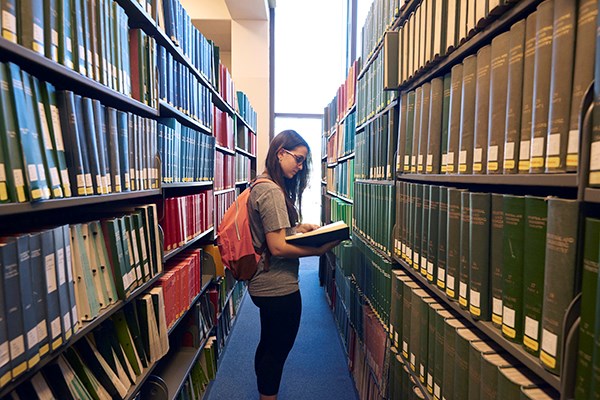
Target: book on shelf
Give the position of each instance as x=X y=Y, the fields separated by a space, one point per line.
x=335 y=231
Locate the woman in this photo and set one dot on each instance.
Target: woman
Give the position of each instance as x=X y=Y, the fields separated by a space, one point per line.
x=274 y=290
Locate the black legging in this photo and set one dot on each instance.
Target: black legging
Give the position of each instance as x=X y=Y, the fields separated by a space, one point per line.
x=279 y=323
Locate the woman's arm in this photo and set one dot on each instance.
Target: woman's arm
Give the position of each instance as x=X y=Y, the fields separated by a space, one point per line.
x=278 y=246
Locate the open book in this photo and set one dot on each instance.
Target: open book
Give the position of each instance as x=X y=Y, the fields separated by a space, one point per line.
x=328 y=233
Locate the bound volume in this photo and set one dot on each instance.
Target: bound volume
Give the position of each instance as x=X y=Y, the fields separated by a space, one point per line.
x=325 y=234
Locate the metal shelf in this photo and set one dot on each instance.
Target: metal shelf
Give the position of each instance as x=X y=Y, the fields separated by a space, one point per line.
x=375 y=181
x=65 y=78
x=538 y=180
x=11 y=209
x=531 y=362
x=244 y=152
x=217 y=192
x=178 y=250
x=177 y=185
x=378 y=114
x=167 y=110
x=339 y=196
x=246 y=124
x=224 y=149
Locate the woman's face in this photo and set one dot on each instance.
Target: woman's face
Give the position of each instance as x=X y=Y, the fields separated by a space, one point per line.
x=292 y=161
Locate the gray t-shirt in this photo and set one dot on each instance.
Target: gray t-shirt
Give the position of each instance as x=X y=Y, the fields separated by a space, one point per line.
x=268 y=213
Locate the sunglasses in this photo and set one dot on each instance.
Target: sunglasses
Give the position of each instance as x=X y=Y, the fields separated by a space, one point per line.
x=299 y=159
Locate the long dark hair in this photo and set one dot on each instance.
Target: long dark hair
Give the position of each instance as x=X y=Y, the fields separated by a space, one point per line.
x=289 y=140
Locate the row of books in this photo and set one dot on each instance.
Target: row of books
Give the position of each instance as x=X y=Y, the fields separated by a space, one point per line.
x=513 y=107
x=341 y=141
x=200 y=51
x=144 y=74
x=186 y=217
x=376 y=146
x=181 y=283
x=341 y=211
x=226 y=164
x=222 y=203
x=343 y=101
x=246 y=110
x=90 y=37
x=182 y=89
x=224 y=129
x=371 y=96
x=243 y=168
x=226 y=86
x=245 y=139
x=375 y=203
x=187 y=155
x=450 y=358
x=203 y=371
x=197 y=324
x=380 y=17
x=498 y=255
x=340 y=179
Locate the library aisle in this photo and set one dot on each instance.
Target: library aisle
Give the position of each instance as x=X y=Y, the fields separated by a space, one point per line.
x=316 y=368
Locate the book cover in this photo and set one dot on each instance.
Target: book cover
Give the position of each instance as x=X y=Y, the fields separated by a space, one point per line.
x=318 y=237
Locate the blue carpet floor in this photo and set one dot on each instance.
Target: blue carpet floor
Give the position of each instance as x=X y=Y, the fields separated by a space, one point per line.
x=316 y=367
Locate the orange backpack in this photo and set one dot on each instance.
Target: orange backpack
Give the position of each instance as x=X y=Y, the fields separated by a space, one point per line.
x=235 y=239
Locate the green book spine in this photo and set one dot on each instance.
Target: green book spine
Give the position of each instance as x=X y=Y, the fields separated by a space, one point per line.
x=51 y=31
x=402 y=133
x=527 y=90
x=410 y=123
x=65 y=34
x=122 y=126
x=78 y=36
x=424 y=131
x=89 y=166
x=93 y=50
x=417 y=226
x=489 y=374
x=9 y=20
x=435 y=126
x=414 y=355
x=112 y=136
x=454 y=119
x=424 y=339
x=464 y=258
x=38 y=287
x=442 y=254
x=512 y=272
x=479 y=247
x=431 y=344
x=541 y=85
x=395 y=305
x=497 y=257
x=561 y=84
x=482 y=108
x=51 y=289
x=438 y=373
x=432 y=234
x=516 y=47
x=5 y=361
x=498 y=92
x=583 y=75
x=445 y=122
x=467 y=115
x=54 y=124
x=425 y=230
x=68 y=267
x=87 y=27
x=560 y=278
x=74 y=158
x=536 y=213
x=453 y=243
x=13 y=158
x=114 y=244
x=406 y=322
x=100 y=130
x=31 y=25
x=476 y=351
x=589 y=295
x=511 y=380
x=448 y=388
x=414 y=159
x=465 y=337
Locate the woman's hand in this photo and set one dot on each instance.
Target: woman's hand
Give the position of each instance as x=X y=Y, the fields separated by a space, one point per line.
x=303 y=228
x=327 y=246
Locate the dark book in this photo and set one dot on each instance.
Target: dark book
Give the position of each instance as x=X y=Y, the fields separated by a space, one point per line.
x=329 y=233
x=417 y=225
x=124 y=162
x=476 y=351
x=31 y=25
x=583 y=74
x=561 y=277
x=402 y=133
x=467 y=115
x=424 y=130
x=450 y=333
x=511 y=380
x=482 y=108
x=536 y=213
x=414 y=162
x=453 y=242
x=589 y=295
x=50 y=289
x=527 y=105
x=39 y=292
x=490 y=363
x=454 y=119
x=410 y=123
x=498 y=92
x=416 y=335
x=512 y=271
x=9 y=23
x=407 y=299
x=497 y=257
x=465 y=339
x=78 y=39
x=433 y=358
x=432 y=233
x=68 y=268
x=541 y=84
x=424 y=238
x=390 y=60
x=435 y=127
x=87 y=44
x=70 y=126
x=89 y=165
x=479 y=248
x=445 y=123
x=93 y=150
x=66 y=324
x=112 y=139
x=441 y=317
x=516 y=45
x=561 y=83
x=101 y=141
x=464 y=255
x=442 y=254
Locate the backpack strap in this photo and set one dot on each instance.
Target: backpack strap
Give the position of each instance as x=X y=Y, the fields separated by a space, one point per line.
x=263 y=251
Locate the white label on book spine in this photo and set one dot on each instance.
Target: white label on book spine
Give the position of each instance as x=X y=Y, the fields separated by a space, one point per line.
x=421 y=370
x=441 y=274
x=2 y=173
x=478 y=155
x=406 y=159
x=32 y=172
x=69 y=45
x=50 y=273
x=42 y=329
x=429 y=159
x=509 y=151
x=404 y=347
x=450 y=281
x=450 y=157
x=396 y=338
x=57 y=130
x=74 y=314
x=595 y=156
x=497 y=306
x=549 y=342
x=537 y=147
x=44 y=124
x=80 y=180
x=462 y=158
x=532 y=328
x=18 y=175
x=54 y=175
x=412 y=359
x=60 y=255
x=9 y=22
x=462 y=290
x=41 y=172
x=4 y=354
x=524 y=150
x=436 y=390
x=475 y=298
x=88 y=180
x=429 y=268
x=17 y=346
x=573 y=144
x=38 y=33
x=32 y=337
x=429 y=380
x=423 y=262
x=420 y=159
x=54 y=37
x=55 y=327
x=444 y=159
x=553 y=144
x=493 y=153
x=414 y=160
x=64 y=175
x=508 y=316
x=67 y=320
